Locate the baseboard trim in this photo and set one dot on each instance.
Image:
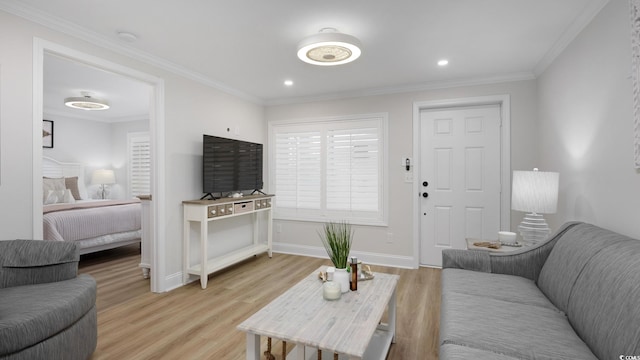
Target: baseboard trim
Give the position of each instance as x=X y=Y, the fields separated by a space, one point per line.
x=406 y=262
x=173 y=281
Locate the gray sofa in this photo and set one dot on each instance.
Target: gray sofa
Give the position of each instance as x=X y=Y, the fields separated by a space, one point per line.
x=47 y=311
x=575 y=296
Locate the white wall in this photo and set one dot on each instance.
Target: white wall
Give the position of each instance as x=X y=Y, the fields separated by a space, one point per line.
x=291 y=234
x=97 y=145
x=83 y=141
x=191 y=109
x=586 y=125
x=15 y=128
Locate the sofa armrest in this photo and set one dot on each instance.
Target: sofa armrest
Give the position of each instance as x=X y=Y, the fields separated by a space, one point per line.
x=25 y=262
x=476 y=260
x=526 y=262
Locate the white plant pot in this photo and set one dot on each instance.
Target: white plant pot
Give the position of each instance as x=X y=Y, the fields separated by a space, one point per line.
x=341 y=276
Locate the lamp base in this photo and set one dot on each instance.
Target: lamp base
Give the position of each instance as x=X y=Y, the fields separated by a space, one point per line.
x=534 y=228
x=103 y=192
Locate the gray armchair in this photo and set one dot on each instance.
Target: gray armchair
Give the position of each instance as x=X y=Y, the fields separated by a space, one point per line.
x=47 y=311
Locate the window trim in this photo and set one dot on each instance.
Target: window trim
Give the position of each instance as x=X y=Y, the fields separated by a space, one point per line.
x=324 y=214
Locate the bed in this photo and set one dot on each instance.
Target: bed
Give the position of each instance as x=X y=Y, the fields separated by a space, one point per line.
x=70 y=215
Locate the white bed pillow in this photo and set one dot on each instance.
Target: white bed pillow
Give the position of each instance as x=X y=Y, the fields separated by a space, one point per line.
x=82 y=189
x=59 y=196
x=51 y=184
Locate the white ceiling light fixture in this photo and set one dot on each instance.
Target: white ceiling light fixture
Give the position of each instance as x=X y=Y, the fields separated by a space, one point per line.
x=329 y=47
x=86 y=102
x=443 y=62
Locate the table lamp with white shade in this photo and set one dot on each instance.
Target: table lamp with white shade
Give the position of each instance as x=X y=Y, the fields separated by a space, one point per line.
x=535 y=193
x=103 y=177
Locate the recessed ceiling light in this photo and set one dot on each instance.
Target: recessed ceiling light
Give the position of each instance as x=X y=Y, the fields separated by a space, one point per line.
x=86 y=102
x=288 y=82
x=443 y=62
x=329 y=47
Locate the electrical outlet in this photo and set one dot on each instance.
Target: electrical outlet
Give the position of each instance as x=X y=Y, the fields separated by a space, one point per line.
x=389 y=238
x=278 y=228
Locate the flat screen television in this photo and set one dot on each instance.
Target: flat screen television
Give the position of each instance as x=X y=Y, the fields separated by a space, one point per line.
x=230 y=166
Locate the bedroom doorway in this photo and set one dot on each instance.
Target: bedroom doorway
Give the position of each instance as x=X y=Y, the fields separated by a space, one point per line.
x=154 y=125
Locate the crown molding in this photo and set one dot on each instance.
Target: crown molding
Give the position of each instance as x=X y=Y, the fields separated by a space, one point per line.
x=576 y=27
x=37 y=16
x=55 y=23
x=426 y=86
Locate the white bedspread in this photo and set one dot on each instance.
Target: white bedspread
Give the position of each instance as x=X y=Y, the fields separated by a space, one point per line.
x=90 y=222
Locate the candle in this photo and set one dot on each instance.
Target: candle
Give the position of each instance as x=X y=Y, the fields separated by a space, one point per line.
x=330 y=271
x=331 y=290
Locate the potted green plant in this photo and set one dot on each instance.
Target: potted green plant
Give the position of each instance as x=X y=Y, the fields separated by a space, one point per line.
x=336 y=238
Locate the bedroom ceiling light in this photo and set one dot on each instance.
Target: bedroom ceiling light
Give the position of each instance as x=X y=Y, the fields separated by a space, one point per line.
x=86 y=102
x=329 y=47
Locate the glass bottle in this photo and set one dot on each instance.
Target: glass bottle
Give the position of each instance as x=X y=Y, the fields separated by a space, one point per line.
x=354 y=273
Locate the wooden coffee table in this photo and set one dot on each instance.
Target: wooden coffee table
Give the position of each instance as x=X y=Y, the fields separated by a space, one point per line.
x=349 y=326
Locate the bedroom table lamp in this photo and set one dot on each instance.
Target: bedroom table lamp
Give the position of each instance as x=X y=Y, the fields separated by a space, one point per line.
x=535 y=193
x=103 y=178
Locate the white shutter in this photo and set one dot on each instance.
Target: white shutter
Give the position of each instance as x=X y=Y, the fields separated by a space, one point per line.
x=298 y=171
x=330 y=168
x=353 y=165
x=139 y=156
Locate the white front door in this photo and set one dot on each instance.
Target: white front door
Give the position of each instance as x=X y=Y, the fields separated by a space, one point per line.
x=459 y=178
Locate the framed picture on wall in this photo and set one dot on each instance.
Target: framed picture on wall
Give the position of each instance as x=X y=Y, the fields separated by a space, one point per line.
x=47 y=134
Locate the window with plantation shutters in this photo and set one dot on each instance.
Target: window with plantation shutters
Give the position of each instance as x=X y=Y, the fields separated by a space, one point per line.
x=139 y=169
x=330 y=169
x=297 y=170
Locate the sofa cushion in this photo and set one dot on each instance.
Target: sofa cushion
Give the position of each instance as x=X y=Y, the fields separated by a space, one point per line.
x=32 y=313
x=568 y=259
x=496 y=286
x=459 y=352
x=508 y=328
x=603 y=306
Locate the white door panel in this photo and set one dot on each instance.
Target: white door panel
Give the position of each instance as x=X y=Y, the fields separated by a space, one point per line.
x=460 y=162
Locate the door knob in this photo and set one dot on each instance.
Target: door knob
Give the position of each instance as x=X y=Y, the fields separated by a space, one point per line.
x=424 y=194
x=425 y=183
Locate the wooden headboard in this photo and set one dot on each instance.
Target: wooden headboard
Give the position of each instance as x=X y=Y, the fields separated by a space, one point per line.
x=55 y=169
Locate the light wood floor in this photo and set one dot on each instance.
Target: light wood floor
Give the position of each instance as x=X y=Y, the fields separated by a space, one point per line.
x=191 y=323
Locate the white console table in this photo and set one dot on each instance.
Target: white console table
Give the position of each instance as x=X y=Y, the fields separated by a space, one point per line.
x=206 y=211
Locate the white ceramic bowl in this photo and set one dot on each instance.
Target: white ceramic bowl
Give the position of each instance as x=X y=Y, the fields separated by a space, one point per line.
x=507 y=237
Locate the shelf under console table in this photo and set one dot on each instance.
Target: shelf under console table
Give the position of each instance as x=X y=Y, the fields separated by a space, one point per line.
x=206 y=211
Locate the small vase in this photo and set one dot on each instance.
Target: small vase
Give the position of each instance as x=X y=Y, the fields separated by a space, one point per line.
x=341 y=276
